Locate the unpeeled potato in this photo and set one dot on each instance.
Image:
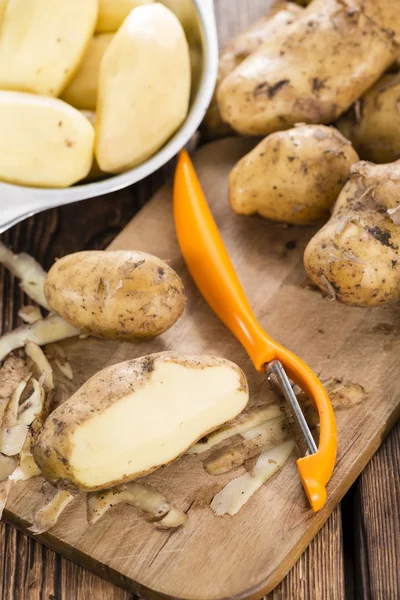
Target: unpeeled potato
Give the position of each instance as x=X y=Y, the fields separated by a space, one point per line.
x=293 y=176
x=42 y=43
x=355 y=257
x=44 y=142
x=112 y=13
x=82 y=90
x=373 y=123
x=144 y=88
x=123 y=295
x=314 y=69
x=279 y=16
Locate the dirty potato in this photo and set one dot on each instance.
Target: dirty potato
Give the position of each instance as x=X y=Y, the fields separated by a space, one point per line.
x=280 y=15
x=314 y=69
x=293 y=176
x=136 y=416
x=373 y=122
x=355 y=257
x=124 y=295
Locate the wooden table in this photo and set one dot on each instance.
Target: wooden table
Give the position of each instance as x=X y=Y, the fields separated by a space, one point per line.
x=356 y=553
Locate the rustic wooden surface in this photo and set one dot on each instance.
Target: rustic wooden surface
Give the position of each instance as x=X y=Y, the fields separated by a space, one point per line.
x=327 y=343
x=370 y=545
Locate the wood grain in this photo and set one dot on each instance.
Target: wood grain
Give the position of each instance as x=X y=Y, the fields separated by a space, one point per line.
x=264 y=540
x=377 y=533
x=93 y=224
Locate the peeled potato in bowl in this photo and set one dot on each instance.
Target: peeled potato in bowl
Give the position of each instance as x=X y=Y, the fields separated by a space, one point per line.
x=56 y=145
x=135 y=78
x=140 y=104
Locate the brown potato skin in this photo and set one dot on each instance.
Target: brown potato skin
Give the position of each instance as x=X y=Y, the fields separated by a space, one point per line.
x=280 y=15
x=52 y=448
x=355 y=257
x=373 y=123
x=313 y=70
x=119 y=295
x=292 y=176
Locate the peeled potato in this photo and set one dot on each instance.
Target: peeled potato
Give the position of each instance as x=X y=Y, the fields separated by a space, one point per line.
x=112 y=13
x=44 y=142
x=95 y=171
x=42 y=43
x=136 y=416
x=82 y=91
x=144 y=88
x=186 y=12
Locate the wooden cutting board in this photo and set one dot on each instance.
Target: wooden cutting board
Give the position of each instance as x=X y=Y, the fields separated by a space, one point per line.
x=357 y=351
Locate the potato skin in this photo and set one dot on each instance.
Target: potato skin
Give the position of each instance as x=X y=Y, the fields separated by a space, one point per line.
x=280 y=15
x=121 y=295
x=93 y=398
x=373 y=123
x=355 y=257
x=314 y=70
x=293 y=176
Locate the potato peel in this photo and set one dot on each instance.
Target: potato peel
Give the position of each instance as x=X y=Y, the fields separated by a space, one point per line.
x=31 y=274
x=32 y=406
x=151 y=503
x=51 y=329
x=30 y=314
x=7 y=466
x=12 y=439
x=49 y=514
x=173 y=519
x=244 y=422
x=260 y=438
x=238 y=491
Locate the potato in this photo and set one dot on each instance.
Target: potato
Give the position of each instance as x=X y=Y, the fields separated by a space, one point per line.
x=112 y=13
x=355 y=257
x=314 y=69
x=95 y=171
x=123 y=295
x=44 y=142
x=186 y=12
x=82 y=90
x=136 y=416
x=373 y=122
x=144 y=88
x=42 y=43
x=293 y=176
x=279 y=16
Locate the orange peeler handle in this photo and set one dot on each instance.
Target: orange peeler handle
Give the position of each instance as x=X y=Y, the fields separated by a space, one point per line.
x=213 y=272
x=210 y=265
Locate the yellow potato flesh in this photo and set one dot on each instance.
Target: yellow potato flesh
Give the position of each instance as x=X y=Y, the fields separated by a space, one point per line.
x=144 y=88
x=42 y=43
x=136 y=416
x=44 y=142
x=82 y=91
x=155 y=424
x=112 y=13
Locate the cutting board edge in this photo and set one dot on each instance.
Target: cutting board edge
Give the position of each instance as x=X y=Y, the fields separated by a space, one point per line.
x=256 y=592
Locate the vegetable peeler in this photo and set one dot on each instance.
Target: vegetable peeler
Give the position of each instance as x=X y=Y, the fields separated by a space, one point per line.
x=210 y=266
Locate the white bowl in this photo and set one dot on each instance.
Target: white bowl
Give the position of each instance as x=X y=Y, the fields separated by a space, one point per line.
x=18 y=202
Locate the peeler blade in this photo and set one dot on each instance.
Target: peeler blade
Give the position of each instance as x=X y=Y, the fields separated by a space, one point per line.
x=294 y=415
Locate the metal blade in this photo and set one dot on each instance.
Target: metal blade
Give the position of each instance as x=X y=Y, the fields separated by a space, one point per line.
x=286 y=397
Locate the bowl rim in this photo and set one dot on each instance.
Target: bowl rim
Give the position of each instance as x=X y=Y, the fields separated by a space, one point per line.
x=51 y=197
